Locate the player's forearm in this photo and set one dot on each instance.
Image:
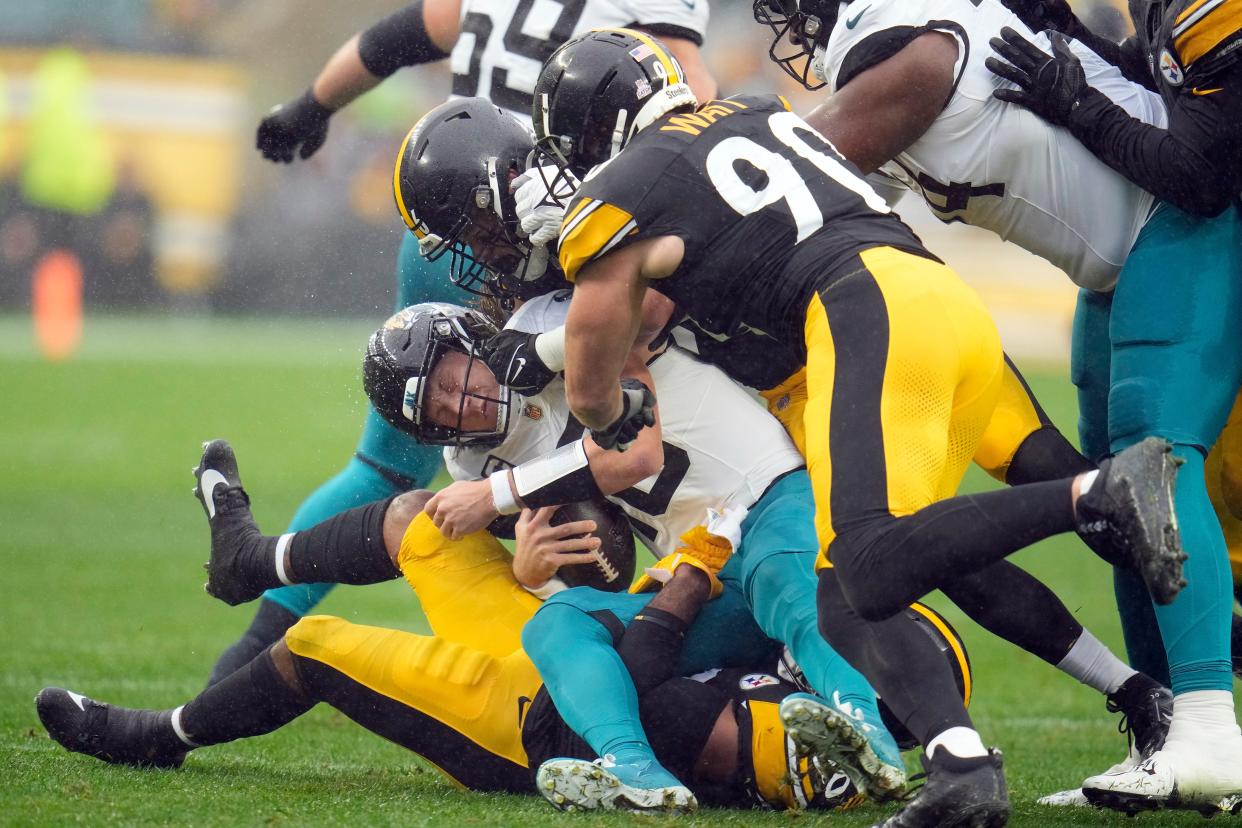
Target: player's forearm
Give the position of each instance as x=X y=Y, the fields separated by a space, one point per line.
x=343 y=78
x=599 y=332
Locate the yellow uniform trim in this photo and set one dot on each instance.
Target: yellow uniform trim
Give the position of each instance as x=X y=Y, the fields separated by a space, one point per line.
x=574 y=211
x=954 y=644
x=670 y=65
x=1206 y=34
x=396 y=186
x=769 y=755
x=1188 y=11
x=591 y=237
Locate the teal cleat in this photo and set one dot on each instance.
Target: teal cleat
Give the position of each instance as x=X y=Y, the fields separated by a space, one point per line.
x=643 y=787
x=839 y=733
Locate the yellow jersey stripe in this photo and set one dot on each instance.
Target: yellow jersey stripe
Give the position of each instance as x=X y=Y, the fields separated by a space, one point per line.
x=589 y=238
x=396 y=186
x=574 y=211
x=954 y=644
x=1188 y=11
x=1200 y=35
x=667 y=62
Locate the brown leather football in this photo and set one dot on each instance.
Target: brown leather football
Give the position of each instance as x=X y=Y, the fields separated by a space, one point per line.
x=613 y=571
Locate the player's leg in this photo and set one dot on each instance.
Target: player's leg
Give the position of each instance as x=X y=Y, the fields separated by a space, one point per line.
x=1176 y=365
x=1224 y=475
x=466 y=587
x=279 y=609
x=776 y=559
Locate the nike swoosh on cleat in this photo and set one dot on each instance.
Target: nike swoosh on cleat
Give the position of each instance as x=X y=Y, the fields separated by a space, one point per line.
x=207 y=484
x=78 y=698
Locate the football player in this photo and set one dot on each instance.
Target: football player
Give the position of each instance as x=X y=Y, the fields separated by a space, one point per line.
x=913 y=99
x=455 y=706
x=1176 y=348
x=495 y=49
x=746 y=217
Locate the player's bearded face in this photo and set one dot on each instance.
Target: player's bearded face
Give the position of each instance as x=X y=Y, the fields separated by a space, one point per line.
x=462 y=394
x=489 y=244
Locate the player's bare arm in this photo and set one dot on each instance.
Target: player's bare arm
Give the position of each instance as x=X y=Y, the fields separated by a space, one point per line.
x=691 y=59
x=888 y=107
x=604 y=320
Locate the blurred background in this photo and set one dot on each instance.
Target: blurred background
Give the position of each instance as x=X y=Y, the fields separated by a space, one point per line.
x=127 y=165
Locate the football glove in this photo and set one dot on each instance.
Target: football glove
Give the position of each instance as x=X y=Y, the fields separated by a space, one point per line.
x=517 y=365
x=302 y=122
x=713 y=550
x=540 y=197
x=1048 y=84
x=654 y=577
x=637 y=413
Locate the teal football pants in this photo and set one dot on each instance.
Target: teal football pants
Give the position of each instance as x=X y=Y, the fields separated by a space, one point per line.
x=387 y=461
x=1163 y=357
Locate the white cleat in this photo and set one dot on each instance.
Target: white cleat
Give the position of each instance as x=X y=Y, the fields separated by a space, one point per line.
x=1203 y=777
x=579 y=785
x=1076 y=798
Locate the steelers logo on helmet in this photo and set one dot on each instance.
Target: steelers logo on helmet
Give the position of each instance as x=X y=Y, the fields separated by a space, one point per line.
x=401 y=357
x=598 y=90
x=451 y=186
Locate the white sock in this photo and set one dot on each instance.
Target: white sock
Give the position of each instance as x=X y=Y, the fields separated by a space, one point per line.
x=962 y=742
x=1087 y=479
x=1094 y=665
x=1203 y=717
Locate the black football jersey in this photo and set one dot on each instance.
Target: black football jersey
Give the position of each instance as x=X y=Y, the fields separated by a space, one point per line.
x=1190 y=44
x=767 y=209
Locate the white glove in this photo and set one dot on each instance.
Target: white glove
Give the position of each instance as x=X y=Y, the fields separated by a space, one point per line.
x=540 y=210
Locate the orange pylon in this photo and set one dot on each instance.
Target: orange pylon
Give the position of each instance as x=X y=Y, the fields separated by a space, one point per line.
x=57 y=305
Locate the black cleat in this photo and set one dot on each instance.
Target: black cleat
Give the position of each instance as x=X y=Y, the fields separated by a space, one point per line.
x=119 y=735
x=1146 y=709
x=227 y=505
x=1133 y=495
x=958 y=792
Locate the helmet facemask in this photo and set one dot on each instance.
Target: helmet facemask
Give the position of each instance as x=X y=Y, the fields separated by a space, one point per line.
x=799 y=39
x=454 y=334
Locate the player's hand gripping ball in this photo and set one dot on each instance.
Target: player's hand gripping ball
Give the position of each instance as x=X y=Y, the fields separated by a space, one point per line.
x=613 y=569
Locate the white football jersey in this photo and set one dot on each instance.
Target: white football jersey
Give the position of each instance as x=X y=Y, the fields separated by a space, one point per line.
x=504 y=43
x=702 y=414
x=995 y=165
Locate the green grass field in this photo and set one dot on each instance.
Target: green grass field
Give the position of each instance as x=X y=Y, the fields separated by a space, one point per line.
x=102 y=550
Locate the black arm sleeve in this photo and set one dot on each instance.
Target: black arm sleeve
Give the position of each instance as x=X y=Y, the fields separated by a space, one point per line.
x=1127 y=56
x=400 y=39
x=1193 y=164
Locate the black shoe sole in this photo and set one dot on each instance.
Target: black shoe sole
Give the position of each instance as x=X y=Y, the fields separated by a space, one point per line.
x=984 y=815
x=1144 y=477
x=1126 y=803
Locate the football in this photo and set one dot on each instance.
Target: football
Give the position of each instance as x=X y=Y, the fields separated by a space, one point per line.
x=613 y=570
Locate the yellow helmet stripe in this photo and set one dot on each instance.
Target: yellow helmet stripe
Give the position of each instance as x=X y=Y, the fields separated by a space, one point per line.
x=670 y=65
x=396 y=186
x=964 y=665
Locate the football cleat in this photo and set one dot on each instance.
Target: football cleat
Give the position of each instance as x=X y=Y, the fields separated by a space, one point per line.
x=1133 y=496
x=227 y=506
x=1146 y=709
x=1204 y=777
x=838 y=733
x=119 y=735
x=645 y=787
x=958 y=792
x=1072 y=798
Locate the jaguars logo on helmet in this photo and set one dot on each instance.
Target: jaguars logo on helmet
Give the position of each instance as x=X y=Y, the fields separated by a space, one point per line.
x=451 y=181
x=599 y=89
x=400 y=357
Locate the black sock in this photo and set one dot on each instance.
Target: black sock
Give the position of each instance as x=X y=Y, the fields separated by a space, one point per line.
x=651 y=646
x=266 y=628
x=251 y=701
x=887 y=566
x=347 y=548
x=1009 y=602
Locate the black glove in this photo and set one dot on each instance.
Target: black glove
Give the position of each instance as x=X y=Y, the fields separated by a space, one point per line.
x=301 y=121
x=1039 y=15
x=1048 y=84
x=637 y=412
x=513 y=359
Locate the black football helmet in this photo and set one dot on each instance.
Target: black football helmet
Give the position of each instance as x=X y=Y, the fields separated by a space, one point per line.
x=453 y=167
x=800 y=30
x=598 y=90
x=401 y=355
